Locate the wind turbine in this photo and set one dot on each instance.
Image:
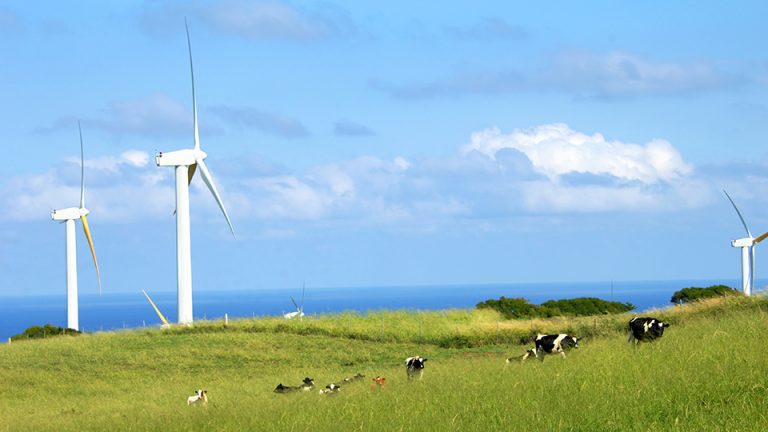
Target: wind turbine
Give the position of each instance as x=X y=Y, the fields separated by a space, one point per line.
x=157 y=310
x=747 y=245
x=186 y=163
x=68 y=216
x=299 y=309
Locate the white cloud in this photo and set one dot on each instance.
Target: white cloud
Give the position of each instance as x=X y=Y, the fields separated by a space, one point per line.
x=136 y=158
x=549 y=169
x=118 y=189
x=556 y=150
x=547 y=197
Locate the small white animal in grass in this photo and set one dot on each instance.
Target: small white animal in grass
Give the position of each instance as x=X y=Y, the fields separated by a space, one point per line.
x=200 y=395
x=330 y=389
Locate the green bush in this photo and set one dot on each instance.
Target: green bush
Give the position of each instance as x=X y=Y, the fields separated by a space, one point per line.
x=520 y=308
x=585 y=306
x=692 y=294
x=512 y=308
x=48 y=330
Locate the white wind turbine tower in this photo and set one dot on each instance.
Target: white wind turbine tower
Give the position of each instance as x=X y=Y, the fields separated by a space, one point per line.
x=186 y=163
x=68 y=216
x=747 y=245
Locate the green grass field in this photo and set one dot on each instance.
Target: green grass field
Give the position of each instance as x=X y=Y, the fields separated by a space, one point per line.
x=708 y=372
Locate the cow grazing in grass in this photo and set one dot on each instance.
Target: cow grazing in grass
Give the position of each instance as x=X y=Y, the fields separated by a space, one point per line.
x=551 y=344
x=356 y=377
x=330 y=389
x=645 y=329
x=414 y=366
x=200 y=395
x=306 y=385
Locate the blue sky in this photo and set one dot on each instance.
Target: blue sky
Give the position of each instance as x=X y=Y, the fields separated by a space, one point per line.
x=362 y=144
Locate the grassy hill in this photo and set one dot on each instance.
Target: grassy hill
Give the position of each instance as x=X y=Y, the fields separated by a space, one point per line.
x=709 y=372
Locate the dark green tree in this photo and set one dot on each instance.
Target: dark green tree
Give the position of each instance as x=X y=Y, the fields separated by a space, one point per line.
x=519 y=308
x=511 y=308
x=48 y=330
x=687 y=295
x=584 y=306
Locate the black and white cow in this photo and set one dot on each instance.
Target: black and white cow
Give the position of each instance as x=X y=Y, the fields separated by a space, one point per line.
x=414 y=366
x=551 y=344
x=306 y=385
x=645 y=329
x=330 y=389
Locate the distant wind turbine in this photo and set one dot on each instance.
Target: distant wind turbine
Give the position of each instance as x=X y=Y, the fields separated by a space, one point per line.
x=68 y=216
x=186 y=163
x=299 y=309
x=747 y=245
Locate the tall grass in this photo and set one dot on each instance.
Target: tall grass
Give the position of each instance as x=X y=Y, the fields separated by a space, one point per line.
x=708 y=372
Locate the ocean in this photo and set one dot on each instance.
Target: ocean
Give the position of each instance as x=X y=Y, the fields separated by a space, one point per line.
x=114 y=311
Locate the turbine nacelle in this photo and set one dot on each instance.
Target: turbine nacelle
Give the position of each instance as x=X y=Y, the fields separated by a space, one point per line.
x=743 y=242
x=69 y=213
x=185 y=157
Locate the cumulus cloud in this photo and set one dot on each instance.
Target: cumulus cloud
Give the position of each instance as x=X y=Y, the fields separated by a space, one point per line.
x=116 y=189
x=361 y=189
x=546 y=170
x=556 y=150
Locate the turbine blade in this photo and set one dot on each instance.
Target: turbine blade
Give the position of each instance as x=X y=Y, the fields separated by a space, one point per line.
x=87 y=232
x=303 y=286
x=192 y=168
x=761 y=238
x=194 y=99
x=294 y=303
x=159 y=314
x=82 y=168
x=206 y=175
x=738 y=213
